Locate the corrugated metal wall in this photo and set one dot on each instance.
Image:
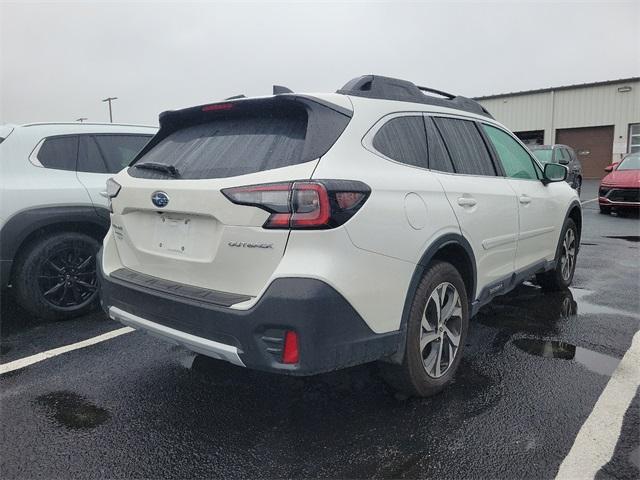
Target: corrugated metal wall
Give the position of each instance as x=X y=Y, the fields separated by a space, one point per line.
x=587 y=106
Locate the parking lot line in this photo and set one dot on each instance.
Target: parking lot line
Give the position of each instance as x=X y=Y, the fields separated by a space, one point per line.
x=588 y=201
x=596 y=441
x=39 y=357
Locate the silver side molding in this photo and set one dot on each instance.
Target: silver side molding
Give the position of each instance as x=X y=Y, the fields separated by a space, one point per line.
x=201 y=345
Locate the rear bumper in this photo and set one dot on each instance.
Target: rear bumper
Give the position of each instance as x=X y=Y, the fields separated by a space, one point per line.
x=331 y=334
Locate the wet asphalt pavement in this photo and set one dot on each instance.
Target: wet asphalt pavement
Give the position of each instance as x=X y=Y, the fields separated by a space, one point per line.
x=133 y=406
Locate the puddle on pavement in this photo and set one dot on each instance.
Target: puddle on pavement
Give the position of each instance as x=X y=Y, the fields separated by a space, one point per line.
x=586 y=307
x=628 y=238
x=594 y=361
x=72 y=410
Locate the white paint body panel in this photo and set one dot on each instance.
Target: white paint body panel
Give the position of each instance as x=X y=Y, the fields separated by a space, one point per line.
x=207 y=260
x=24 y=185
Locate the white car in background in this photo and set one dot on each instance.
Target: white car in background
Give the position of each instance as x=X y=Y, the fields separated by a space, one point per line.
x=52 y=213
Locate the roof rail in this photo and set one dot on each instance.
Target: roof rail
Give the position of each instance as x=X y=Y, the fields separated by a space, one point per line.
x=386 y=88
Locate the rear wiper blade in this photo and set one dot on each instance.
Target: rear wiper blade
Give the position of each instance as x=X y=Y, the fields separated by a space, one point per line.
x=160 y=167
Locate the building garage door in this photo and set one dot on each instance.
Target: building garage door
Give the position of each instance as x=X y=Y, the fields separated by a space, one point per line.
x=594 y=146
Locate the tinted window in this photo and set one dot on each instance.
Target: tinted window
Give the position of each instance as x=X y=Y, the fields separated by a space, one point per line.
x=466 y=147
x=403 y=139
x=438 y=156
x=514 y=158
x=89 y=157
x=59 y=153
x=231 y=146
x=118 y=150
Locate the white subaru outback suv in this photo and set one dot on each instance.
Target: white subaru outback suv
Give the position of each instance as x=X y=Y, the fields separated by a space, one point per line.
x=52 y=216
x=305 y=233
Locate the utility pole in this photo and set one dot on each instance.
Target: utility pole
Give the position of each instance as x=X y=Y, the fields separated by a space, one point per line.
x=110 y=99
x=81 y=119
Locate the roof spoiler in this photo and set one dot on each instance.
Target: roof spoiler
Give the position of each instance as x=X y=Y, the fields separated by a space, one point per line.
x=387 y=88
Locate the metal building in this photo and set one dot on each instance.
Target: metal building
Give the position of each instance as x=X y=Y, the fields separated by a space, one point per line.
x=601 y=120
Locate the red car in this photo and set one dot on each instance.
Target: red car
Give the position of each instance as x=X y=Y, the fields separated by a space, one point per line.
x=620 y=189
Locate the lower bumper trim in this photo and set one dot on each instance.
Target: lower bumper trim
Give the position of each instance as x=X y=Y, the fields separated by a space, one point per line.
x=197 y=344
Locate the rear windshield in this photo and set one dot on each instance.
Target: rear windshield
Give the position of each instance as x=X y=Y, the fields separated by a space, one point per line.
x=231 y=145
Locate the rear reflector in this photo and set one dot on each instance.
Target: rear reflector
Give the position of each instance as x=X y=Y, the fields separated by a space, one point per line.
x=318 y=204
x=290 y=353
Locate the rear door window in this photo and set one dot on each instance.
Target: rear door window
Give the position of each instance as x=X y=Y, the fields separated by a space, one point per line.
x=438 y=157
x=108 y=153
x=118 y=150
x=466 y=147
x=514 y=158
x=59 y=153
x=404 y=140
x=89 y=157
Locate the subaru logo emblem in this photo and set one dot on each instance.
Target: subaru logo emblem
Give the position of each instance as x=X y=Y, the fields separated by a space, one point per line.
x=160 y=199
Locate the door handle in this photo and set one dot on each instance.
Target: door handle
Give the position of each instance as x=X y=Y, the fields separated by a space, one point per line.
x=466 y=202
x=525 y=199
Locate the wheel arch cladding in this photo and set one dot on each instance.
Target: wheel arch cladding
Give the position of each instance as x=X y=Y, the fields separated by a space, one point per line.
x=27 y=225
x=452 y=248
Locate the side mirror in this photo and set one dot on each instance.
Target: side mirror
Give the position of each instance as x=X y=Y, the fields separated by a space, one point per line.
x=611 y=167
x=563 y=161
x=554 y=172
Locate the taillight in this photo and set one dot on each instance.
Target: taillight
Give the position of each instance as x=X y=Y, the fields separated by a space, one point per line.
x=303 y=204
x=111 y=192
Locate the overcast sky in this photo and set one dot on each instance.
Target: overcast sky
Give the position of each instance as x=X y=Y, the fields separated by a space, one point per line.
x=59 y=59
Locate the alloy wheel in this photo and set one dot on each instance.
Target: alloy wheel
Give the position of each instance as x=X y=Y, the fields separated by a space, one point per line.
x=67 y=278
x=568 y=258
x=441 y=329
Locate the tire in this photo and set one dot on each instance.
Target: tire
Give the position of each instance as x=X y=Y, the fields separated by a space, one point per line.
x=421 y=374
x=578 y=185
x=56 y=278
x=605 y=210
x=566 y=254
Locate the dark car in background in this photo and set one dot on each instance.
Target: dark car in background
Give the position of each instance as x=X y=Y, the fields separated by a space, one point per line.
x=620 y=189
x=564 y=155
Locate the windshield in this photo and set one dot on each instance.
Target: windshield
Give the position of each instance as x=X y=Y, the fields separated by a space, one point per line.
x=630 y=162
x=544 y=155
